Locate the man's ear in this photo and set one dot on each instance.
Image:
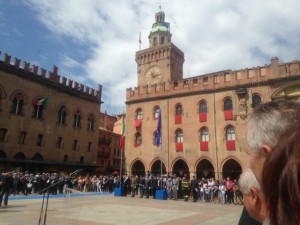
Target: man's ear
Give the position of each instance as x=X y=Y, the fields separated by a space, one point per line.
x=254 y=194
x=266 y=149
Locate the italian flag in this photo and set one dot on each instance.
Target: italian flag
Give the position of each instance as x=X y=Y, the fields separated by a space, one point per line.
x=122 y=138
x=41 y=102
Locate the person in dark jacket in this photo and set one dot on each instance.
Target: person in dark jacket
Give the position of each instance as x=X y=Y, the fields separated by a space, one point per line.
x=6 y=184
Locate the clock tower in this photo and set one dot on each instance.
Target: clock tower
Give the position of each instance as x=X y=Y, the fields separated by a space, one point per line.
x=162 y=61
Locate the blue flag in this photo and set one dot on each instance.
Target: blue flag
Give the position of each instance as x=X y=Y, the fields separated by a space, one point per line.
x=158 y=130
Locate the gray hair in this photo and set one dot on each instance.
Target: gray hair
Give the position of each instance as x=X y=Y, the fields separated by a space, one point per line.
x=269 y=121
x=247 y=181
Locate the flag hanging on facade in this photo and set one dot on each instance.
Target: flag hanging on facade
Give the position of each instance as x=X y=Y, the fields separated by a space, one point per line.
x=41 y=102
x=158 y=130
x=122 y=134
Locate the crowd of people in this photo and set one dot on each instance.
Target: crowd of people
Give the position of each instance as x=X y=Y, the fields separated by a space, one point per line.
x=206 y=190
x=18 y=183
x=269 y=189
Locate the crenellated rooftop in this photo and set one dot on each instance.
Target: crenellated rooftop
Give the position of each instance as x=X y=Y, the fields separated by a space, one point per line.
x=217 y=81
x=52 y=78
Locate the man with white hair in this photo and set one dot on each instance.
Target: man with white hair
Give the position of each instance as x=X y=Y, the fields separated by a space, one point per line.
x=265 y=125
x=253 y=197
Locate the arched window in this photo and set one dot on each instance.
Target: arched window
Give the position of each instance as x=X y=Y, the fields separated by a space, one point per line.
x=178 y=109
x=38 y=107
x=179 y=140
x=138 y=118
x=39 y=140
x=75 y=145
x=90 y=124
x=77 y=119
x=230 y=133
x=256 y=100
x=61 y=115
x=156 y=112
x=230 y=138
x=228 y=114
x=162 y=40
x=3 y=132
x=59 y=142
x=204 y=134
x=17 y=104
x=22 y=137
x=203 y=107
x=154 y=41
x=178 y=114
x=137 y=139
x=202 y=111
x=139 y=114
x=204 y=138
x=227 y=104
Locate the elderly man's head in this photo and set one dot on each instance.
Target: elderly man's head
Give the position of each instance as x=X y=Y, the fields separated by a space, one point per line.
x=252 y=196
x=265 y=126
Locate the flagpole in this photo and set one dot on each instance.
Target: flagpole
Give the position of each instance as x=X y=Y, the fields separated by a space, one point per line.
x=161 y=167
x=121 y=167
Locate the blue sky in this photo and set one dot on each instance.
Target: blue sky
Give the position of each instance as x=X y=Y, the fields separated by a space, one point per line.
x=94 y=41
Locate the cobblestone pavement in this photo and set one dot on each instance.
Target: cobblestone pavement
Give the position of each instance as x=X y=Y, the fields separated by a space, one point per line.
x=106 y=209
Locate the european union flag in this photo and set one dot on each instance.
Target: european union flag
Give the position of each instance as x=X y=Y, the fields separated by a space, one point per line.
x=158 y=132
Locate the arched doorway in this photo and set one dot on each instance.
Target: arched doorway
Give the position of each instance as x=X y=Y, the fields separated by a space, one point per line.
x=232 y=169
x=37 y=157
x=180 y=168
x=2 y=154
x=138 y=168
x=157 y=166
x=19 y=155
x=205 y=169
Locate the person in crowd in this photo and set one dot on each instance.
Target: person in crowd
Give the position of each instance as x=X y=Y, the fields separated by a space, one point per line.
x=200 y=189
x=194 y=188
x=264 y=127
x=222 y=190
x=215 y=191
x=169 y=185
x=142 y=186
x=175 y=186
x=253 y=197
x=229 y=190
x=185 y=187
x=133 y=185
x=282 y=188
x=6 y=184
x=126 y=184
x=16 y=181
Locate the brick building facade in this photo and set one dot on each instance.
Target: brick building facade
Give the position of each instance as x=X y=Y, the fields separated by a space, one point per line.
x=109 y=153
x=203 y=118
x=47 y=122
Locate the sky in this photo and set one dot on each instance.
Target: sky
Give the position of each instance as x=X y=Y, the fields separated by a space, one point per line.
x=94 y=41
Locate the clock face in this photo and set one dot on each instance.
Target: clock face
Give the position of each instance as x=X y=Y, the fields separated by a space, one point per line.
x=153 y=75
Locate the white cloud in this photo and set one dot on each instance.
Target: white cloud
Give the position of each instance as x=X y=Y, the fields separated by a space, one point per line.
x=218 y=35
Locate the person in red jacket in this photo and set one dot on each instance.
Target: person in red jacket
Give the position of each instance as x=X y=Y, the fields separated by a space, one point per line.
x=229 y=190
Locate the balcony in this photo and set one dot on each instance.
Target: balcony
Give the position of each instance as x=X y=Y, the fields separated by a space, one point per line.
x=105 y=141
x=103 y=154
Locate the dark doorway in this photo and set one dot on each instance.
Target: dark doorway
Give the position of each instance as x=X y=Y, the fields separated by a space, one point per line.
x=231 y=169
x=205 y=169
x=157 y=167
x=180 y=168
x=138 y=168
